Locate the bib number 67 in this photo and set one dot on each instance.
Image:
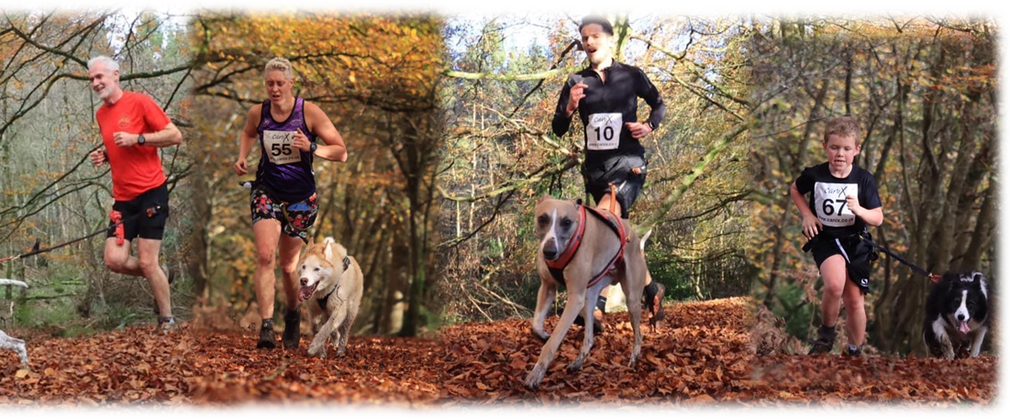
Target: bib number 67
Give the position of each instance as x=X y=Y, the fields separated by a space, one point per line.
x=829 y=210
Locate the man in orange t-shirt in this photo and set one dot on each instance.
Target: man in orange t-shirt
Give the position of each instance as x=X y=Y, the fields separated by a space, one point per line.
x=133 y=127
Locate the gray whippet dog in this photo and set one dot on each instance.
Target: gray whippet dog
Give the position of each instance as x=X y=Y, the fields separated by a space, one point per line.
x=585 y=253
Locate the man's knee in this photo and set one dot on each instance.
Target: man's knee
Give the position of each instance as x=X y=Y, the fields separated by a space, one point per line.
x=115 y=263
x=148 y=265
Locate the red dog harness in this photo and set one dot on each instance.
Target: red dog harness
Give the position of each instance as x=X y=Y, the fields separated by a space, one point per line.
x=557 y=265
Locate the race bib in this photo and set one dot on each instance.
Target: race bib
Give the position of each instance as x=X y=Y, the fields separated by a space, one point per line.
x=831 y=208
x=603 y=132
x=278 y=145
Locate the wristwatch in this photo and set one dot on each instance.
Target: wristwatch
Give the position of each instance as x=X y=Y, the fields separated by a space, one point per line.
x=651 y=127
x=141 y=140
x=312 y=147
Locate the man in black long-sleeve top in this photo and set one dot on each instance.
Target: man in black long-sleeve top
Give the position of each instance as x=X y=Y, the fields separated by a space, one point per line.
x=606 y=96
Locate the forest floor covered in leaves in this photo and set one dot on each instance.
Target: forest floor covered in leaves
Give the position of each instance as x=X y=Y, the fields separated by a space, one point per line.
x=704 y=353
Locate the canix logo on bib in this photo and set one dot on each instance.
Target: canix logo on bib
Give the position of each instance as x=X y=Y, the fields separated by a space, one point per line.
x=124 y=121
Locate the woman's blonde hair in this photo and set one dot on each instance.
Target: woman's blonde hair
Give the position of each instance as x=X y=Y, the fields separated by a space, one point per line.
x=281 y=64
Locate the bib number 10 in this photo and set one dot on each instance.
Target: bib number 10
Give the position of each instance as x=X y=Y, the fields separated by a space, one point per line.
x=607 y=134
x=603 y=131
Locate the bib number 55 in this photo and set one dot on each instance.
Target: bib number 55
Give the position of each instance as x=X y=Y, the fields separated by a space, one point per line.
x=278 y=145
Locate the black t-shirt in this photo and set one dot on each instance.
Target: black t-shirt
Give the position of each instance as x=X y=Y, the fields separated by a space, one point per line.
x=605 y=109
x=827 y=197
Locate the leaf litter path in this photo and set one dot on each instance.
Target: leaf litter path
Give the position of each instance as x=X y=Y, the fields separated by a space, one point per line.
x=126 y=366
x=200 y=373
x=378 y=376
x=701 y=360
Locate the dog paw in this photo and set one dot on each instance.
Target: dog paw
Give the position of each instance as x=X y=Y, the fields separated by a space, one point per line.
x=539 y=335
x=534 y=378
x=317 y=350
x=632 y=362
x=341 y=352
x=574 y=366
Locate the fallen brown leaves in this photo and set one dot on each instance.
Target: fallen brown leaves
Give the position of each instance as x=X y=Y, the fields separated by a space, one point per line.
x=702 y=354
x=131 y=366
x=701 y=360
x=374 y=370
x=688 y=365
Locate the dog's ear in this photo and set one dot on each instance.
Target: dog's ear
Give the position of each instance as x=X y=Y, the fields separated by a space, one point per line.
x=578 y=201
x=328 y=251
x=312 y=241
x=980 y=279
x=545 y=197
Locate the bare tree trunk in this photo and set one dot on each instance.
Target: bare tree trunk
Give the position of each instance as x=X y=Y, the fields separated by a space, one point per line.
x=196 y=260
x=785 y=202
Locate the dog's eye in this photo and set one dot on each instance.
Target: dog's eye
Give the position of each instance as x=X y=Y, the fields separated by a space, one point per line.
x=543 y=220
x=566 y=223
x=317 y=269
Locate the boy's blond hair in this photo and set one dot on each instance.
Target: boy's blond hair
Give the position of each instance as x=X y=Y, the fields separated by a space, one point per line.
x=843 y=126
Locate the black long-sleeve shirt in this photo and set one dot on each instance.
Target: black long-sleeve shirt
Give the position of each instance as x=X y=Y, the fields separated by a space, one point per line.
x=618 y=95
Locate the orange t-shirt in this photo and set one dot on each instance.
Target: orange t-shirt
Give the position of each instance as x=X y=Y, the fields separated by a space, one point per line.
x=135 y=169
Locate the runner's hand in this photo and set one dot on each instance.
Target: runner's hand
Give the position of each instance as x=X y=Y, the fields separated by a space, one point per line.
x=575 y=94
x=97 y=157
x=124 y=139
x=301 y=142
x=638 y=130
x=811 y=226
x=241 y=167
x=852 y=202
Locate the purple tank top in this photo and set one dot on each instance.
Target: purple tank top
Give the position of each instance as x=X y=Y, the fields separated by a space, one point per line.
x=284 y=171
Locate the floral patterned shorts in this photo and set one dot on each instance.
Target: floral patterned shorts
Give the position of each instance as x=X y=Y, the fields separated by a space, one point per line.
x=295 y=218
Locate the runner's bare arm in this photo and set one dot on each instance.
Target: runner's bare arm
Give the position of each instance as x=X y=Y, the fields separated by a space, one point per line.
x=811 y=226
x=333 y=147
x=872 y=217
x=168 y=136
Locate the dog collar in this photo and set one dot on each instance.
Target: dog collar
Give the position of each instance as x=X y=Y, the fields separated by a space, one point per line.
x=322 y=301
x=557 y=265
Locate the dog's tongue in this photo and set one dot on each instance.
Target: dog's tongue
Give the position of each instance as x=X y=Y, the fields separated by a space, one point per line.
x=963 y=327
x=306 y=292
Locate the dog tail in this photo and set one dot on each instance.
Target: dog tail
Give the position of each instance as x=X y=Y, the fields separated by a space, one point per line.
x=641 y=243
x=9 y=282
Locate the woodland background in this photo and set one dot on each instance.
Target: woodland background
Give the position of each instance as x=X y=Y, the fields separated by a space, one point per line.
x=447 y=126
x=924 y=90
x=376 y=77
x=52 y=193
x=501 y=156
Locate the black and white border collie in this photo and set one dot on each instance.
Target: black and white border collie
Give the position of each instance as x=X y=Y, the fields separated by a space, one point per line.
x=957 y=315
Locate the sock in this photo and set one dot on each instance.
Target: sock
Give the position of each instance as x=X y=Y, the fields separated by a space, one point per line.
x=601 y=304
